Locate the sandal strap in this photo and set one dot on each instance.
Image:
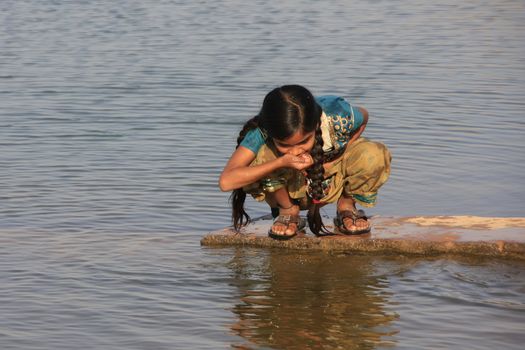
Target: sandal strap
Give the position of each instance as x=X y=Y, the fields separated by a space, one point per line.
x=288 y=219
x=354 y=215
x=346 y=214
x=291 y=219
x=360 y=214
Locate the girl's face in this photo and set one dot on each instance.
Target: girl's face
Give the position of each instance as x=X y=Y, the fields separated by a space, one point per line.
x=296 y=144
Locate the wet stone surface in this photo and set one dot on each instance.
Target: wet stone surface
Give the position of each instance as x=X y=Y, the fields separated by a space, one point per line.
x=430 y=235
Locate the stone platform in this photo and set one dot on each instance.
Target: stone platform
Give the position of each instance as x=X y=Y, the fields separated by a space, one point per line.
x=424 y=235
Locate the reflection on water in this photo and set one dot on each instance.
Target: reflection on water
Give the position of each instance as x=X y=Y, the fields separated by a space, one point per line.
x=291 y=300
x=315 y=301
x=116 y=118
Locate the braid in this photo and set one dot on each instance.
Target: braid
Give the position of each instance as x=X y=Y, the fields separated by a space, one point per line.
x=239 y=216
x=316 y=175
x=316 y=171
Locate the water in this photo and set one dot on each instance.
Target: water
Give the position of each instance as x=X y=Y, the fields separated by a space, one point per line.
x=116 y=119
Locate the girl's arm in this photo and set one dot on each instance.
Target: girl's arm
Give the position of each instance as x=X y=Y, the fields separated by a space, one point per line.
x=238 y=172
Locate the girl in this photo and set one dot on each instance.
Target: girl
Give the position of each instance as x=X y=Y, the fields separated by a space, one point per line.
x=300 y=153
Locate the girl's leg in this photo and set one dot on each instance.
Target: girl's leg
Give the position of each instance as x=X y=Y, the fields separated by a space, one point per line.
x=281 y=199
x=367 y=168
x=277 y=189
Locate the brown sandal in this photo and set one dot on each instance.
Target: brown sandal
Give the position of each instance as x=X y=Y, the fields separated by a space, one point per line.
x=287 y=220
x=354 y=215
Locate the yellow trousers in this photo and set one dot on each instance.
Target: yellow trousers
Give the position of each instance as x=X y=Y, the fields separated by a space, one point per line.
x=359 y=172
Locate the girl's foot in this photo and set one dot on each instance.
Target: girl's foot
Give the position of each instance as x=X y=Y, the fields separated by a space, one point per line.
x=286 y=229
x=358 y=224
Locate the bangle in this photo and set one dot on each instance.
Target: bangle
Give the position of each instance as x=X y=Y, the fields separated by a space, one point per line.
x=290 y=207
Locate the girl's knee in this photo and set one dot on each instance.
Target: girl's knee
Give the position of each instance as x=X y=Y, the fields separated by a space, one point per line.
x=378 y=157
x=373 y=158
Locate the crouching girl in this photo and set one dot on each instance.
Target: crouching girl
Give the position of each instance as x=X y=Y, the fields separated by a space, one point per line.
x=300 y=153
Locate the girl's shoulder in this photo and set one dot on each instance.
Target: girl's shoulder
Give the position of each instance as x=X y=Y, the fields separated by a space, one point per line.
x=344 y=117
x=338 y=122
x=253 y=140
x=334 y=105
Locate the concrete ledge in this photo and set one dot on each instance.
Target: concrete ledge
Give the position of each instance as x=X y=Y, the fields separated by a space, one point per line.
x=430 y=236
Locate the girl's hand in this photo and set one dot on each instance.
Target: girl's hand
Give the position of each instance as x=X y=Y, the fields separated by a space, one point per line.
x=299 y=162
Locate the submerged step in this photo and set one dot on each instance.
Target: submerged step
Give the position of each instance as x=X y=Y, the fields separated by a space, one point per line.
x=422 y=235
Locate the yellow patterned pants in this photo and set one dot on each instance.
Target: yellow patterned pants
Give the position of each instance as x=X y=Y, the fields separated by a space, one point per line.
x=362 y=169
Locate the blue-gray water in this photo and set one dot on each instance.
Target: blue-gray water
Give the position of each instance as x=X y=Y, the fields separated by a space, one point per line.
x=116 y=118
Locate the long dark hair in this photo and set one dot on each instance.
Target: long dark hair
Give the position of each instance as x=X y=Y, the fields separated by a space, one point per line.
x=286 y=110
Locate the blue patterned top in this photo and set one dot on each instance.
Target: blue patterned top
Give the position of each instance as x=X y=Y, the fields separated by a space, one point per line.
x=338 y=122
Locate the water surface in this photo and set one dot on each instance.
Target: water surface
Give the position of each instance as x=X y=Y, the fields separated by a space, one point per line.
x=116 y=119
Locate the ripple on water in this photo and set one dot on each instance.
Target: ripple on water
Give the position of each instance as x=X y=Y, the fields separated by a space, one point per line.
x=117 y=120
